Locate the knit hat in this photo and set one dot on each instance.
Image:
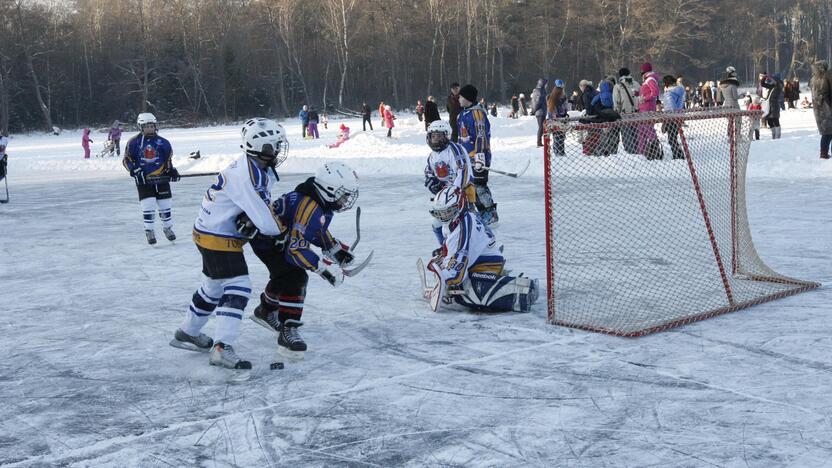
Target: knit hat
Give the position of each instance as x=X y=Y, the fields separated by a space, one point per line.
x=583 y=83
x=623 y=72
x=559 y=83
x=469 y=92
x=646 y=67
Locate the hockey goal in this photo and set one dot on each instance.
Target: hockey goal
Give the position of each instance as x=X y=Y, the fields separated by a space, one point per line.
x=646 y=223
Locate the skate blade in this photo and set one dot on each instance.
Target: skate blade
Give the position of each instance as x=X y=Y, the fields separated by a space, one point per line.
x=263 y=323
x=188 y=346
x=292 y=356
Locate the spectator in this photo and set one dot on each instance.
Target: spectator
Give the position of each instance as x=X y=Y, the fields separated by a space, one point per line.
x=755 y=121
x=4 y=158
x=420 y=109
x=343 y=136
x=85 y=143
x=822 y=99
x=648 y=141
x=774 y=97
x=601 y=105
x=431 y=112
x=381 y=110
x=787 y=94
x=388 y=120
x=366 y=111
x=707 y=97
x=325 y=120
x=304 y=119
x=624 y=98
x=575 y=101
x=539 y=108
x=114 y=135
x=515 y=107
x=728 y=89
x=312 y=125
x=795 y=91
x=493 y=109
x=556 y=108
x=453 y=109
x=521 y=101
x=805 y=104
x=673 y=100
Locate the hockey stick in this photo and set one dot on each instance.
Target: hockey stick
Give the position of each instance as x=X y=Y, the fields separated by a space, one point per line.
x=357 y=228
x=6 y=179
x=163 y=179
x=512 y=174
x=350 y=271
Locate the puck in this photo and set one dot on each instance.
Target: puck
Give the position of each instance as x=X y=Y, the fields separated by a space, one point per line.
x=276 y=365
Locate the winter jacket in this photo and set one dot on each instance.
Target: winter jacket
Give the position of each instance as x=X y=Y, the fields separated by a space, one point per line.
x=313 y=116
x=706 y=95
x=822 y=96
x=431 y=112
x=453 y=107
x=366 y=110
x=774 y=95
x=523 y=109
x=673 y=99
x=539 y=98
x=556 y=104
x=602 y=100
x=624 y=97
x=586 y=99
x=304 y=117
x=115 y=134
x=388 y=119
x=515 y=106
x=728 y=94
x=649 y=92
x=85 y=138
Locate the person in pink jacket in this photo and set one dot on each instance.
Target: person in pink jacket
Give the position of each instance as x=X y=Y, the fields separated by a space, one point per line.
x=342 y=137
x=85 y=143
x=648 y=142
x=388 y=120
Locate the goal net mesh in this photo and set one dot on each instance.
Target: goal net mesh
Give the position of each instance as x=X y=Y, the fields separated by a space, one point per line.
x=646 y=222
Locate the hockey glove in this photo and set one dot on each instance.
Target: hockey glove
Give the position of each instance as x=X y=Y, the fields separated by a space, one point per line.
x=331 y=273
x=245 y=227
x=174 y=175
x=433 y=184
x=341 y=254
x=138 y=175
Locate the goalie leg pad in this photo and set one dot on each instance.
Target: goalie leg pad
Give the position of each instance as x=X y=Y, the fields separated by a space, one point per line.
x=489 y=292
x=484 y=200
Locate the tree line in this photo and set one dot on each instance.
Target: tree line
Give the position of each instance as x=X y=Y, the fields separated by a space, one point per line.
x=83 y=62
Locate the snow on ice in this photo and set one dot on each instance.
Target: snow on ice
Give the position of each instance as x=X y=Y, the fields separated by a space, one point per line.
x=88 y=310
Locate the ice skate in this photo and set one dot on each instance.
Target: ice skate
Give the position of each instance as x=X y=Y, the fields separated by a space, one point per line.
x=289 y=342
x=201 y=343
x=169 y=233
x=266 y=319
x=151 y=236
x=223 y=355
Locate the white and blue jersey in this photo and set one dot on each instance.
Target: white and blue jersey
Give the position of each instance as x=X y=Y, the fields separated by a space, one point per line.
x=470 y=246
x=242 y=187
x=152 y=154
x=450 y=166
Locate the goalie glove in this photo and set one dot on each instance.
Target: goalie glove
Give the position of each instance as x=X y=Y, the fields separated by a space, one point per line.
x=433 y=184
x=340 y=254
x=331 y=273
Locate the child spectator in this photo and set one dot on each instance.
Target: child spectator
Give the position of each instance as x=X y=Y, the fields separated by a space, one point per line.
x=85 y=143
x=755 y=123
x=343 y=136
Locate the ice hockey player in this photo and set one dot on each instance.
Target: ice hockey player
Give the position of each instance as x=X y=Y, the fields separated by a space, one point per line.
x=306 y=212
x=470 y=263
x=242 y=187
x=448 y=165
x=475 y=136
x=148 y=156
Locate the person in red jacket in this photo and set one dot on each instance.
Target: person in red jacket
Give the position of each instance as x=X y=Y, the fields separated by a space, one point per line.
x=388 y=120
x=648 y=95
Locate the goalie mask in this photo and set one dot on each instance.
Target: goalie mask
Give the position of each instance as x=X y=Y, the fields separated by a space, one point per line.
x=265 y=141
x=439 y=135
x=337 y=185
x=448 y=204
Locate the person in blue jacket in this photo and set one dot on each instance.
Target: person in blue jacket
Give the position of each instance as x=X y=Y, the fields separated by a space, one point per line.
x=303 y=115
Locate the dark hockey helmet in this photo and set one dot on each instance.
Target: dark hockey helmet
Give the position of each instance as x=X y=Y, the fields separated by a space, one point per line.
x=265 y=141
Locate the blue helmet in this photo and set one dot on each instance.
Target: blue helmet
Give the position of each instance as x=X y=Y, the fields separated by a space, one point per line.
x=559 y=83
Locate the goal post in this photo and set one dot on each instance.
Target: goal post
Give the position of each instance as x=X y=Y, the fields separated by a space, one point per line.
x=646 y=222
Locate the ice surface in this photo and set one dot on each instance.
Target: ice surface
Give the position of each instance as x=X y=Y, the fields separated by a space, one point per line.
x=88 y=308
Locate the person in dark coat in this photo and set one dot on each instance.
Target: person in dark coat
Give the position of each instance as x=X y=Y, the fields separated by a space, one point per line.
x=515 y=107
x=453 y=109
x=774 y=96
x=822 y=99
x=366 y=110
x=431 y=111
x=539 y=108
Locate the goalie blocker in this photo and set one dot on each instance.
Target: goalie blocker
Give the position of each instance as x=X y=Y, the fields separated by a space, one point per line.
x=468 y=269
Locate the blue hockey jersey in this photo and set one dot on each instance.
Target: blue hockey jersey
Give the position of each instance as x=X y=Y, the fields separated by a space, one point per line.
x=153 y=155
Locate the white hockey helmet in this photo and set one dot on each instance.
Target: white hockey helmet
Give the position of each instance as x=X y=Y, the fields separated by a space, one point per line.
x=448 y=204
x=337 y=184
x=146 y=118
x=265 y=141
x=436 y=128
